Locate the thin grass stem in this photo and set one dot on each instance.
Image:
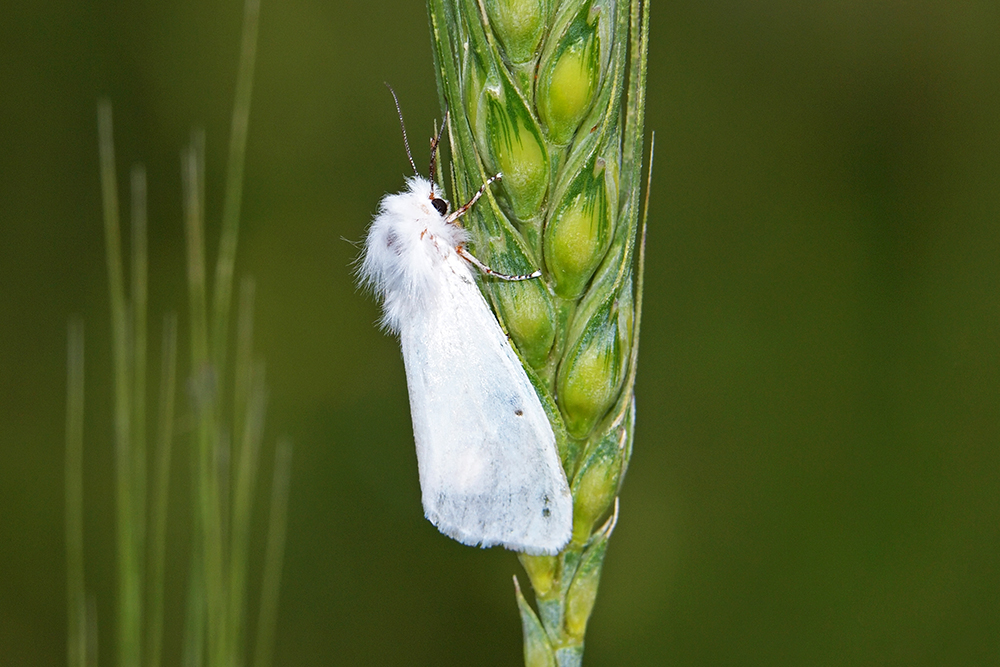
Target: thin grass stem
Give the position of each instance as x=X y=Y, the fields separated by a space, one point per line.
x=274 y=555
x=129 y=594
x=226 y=261
x=244 y=351
x=139 y=301
x=250 y=399
x=246 y=481
x=204 y=397
x=195 y=613
x=76 y=603
x=160 y=495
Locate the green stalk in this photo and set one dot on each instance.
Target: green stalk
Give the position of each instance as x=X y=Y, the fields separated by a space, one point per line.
x=129 y=600
x=204 y=399
x=140 y=281
x=250 y=400
x=226 y=261
x=195 y=614
x=552 y=94
x=274 y=554
x=158 y=534
x=138 y=378
x=76 y=605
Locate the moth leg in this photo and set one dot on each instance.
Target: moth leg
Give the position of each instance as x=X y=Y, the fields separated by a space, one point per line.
x=471 y=259
x=479 y=193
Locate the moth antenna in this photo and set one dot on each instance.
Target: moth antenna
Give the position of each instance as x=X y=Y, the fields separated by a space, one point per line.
x=434 y=146
x=402 y=125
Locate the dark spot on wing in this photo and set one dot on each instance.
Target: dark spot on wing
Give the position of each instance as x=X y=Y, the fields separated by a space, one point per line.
x=392 y=241
x=440 y=205
x=519 y=412
x=546 y=512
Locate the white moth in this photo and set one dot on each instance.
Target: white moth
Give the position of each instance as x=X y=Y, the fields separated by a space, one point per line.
x=489 y=470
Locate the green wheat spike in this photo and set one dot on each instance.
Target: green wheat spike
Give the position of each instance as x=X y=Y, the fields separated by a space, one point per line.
x=552 y=94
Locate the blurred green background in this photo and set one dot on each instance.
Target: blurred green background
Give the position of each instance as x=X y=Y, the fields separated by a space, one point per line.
x=816 y=478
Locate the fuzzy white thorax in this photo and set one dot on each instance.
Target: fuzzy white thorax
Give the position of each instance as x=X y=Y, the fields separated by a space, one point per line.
x=407 y=244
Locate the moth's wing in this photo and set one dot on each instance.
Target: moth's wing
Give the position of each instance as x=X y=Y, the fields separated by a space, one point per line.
x=489 y=470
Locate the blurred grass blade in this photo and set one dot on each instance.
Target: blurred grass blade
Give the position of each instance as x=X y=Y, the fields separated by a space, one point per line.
x=223 y=480
x=195 y=613
x=92 y=653
x=203 y=388
x=234 y=186
x=274 y=556
x=193 y=174
x=140 y=280
x=246 y=480
x=128 y=618
x=160 y=496
x=76 y=604
x=243 y=368
x=139 y=299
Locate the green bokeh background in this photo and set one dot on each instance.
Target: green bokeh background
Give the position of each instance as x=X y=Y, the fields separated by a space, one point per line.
x=816 y=478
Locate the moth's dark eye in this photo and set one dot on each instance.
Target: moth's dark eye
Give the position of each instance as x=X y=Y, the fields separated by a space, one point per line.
x=440 y=205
